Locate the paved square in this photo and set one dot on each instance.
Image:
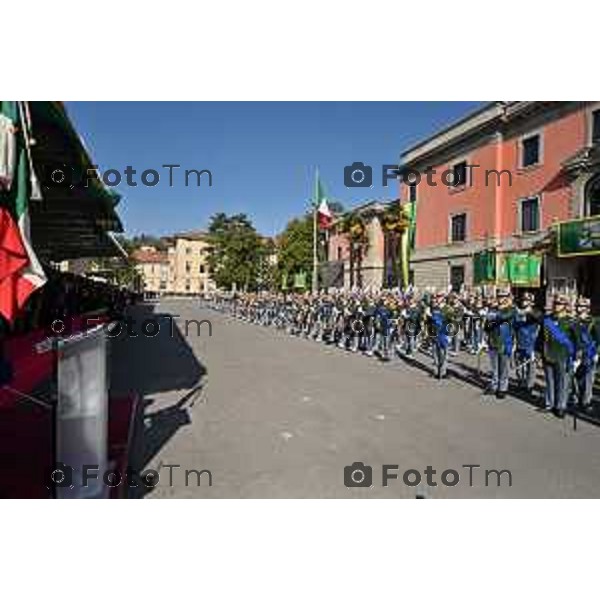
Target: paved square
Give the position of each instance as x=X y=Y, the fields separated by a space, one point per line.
x=273 y=416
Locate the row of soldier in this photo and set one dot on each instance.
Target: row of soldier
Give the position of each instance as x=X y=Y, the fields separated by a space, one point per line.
x=565 y=337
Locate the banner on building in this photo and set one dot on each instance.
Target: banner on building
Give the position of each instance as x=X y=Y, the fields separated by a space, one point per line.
x=484 y=267
x=579 y=238
x=520 y=269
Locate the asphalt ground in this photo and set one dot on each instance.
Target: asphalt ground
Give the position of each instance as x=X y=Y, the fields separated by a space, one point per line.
x=268 y=415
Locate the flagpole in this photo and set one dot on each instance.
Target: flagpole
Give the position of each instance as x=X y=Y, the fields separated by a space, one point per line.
x=315 y=281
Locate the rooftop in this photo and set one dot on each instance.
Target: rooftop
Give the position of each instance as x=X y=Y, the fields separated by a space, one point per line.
x=193 y=234
x=471 y=122
x=150 y=256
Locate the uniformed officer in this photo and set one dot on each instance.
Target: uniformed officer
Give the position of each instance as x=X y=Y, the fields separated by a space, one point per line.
x=587 y=342
x=437 y=328
x=527 y=326
x=558 y=354
x=369 y=325
x=457 y=313
x=412 y=317
x=382 y=328
x=500 y=327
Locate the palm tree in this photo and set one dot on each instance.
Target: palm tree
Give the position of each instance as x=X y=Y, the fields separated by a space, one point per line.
x=354 y=226
x=396 y=224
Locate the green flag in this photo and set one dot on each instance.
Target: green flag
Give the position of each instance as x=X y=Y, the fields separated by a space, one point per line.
x=300 y=280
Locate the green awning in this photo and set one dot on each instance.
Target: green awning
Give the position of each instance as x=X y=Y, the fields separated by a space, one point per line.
x=71 y=221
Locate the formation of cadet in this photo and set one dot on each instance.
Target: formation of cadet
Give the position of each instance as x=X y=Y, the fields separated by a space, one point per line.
x=565 y=338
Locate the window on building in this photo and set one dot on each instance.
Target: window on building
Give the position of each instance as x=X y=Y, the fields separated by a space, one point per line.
x=530 y=151
x=593 y=198
x=339 y=253
x=188 y=267
x=202 y=269
x=596 y=127
x=412 y=192
x=188 y=250
x=459 y=174
x=188 y=287
x=458 y=228
x=530 y=214
x=457 y=277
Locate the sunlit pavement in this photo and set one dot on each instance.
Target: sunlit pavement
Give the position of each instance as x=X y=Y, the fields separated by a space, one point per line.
x=274 y=416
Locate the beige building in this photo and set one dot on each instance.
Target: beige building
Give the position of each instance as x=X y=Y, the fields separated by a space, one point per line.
x=189 y=272
x=153 y=266
x=180 y=269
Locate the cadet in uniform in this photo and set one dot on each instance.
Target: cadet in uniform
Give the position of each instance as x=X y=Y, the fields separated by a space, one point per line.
x=559 y=354
x=438 y=320
x=527 y=328
x=587 y=342
x=500 y=328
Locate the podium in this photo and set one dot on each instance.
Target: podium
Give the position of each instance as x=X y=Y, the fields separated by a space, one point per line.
x=63 y=415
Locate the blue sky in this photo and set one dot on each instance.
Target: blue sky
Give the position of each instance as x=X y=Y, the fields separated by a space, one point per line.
x=262 y=155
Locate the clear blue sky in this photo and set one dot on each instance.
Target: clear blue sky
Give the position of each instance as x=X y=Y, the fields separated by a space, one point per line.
x=262 y=155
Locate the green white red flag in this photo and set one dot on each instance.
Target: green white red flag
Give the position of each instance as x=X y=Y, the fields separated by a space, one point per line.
x=324 y=216
x=20 y=270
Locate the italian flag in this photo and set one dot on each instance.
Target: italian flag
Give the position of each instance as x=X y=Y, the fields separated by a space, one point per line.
x=20 y=271
x=324 y=216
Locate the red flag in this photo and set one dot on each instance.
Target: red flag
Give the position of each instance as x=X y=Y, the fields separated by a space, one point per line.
x=13 y=258
x=324 y=216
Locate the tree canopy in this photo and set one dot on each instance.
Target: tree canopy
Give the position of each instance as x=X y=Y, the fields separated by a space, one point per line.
x=236 y=251
x=295 y=245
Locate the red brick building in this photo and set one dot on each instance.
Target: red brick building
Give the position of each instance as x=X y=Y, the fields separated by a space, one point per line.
x=504 y=176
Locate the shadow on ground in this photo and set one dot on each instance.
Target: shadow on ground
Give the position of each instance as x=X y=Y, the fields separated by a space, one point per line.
x=149 y=366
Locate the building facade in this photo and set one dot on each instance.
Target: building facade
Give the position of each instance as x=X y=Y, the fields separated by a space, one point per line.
x=498 y=183
x=364 y=261
x=153 y=266
x=181 y=269
x=189 y=272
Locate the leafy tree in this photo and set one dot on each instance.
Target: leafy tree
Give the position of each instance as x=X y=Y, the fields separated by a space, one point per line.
x=236 y=251
x=267 y=269
x=295 y=247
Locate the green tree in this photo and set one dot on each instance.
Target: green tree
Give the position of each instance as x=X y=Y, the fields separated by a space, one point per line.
x=267 y=268
x=295 y=247
x=236 y=251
